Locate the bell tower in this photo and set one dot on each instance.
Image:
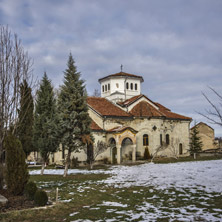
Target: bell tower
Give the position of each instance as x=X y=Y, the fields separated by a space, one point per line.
x=120 y=86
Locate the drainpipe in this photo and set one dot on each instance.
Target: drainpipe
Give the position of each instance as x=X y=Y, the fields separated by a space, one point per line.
x=125 y=91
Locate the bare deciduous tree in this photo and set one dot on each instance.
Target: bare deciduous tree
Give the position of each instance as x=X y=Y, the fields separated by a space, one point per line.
x=93 y=152
x=96 y=93
x=15 y=67
x=173 y=148
x=213 y=115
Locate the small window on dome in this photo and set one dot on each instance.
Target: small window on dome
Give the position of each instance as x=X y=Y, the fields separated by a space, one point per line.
x=135 y=86
x=105 y=87
x=127 y=85
x=108 y=86
x=131 y=86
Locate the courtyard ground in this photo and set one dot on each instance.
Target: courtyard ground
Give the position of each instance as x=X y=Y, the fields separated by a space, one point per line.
x=186 y=191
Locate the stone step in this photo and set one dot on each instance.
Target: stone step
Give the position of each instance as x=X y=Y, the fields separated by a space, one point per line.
x=3 y=200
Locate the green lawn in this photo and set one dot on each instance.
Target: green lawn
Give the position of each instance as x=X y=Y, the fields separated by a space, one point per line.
x=87 y=197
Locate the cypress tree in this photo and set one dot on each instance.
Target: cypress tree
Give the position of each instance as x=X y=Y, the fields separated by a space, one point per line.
x=25 y=122
x=45 y=137
x=73 y=112
x=195 y=142
x=16 y=167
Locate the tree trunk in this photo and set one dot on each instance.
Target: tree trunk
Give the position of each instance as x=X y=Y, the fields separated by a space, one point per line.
x=1 y=176
x=91 y=165
x=43 y=168
x=67 y=164
x=195 y=156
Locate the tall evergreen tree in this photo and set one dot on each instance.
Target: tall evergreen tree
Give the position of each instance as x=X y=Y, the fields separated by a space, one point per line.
x=73 y=112
x=16 y=168
x=195 y=142
x=45 y=137
x=25 y=121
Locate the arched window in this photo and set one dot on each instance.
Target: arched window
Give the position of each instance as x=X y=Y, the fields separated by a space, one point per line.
x=145 y=140
x=108 y=86
x=105 y=87
x=127 y=85
x=131 y=86
x=161 y=139
x=167 y=139
x=135 y=86
x=180 y=149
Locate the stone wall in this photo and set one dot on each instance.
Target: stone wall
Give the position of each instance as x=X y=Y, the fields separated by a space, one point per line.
x=206 y=134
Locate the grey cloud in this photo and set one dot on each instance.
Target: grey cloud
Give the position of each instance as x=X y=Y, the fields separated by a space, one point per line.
x=176 y=45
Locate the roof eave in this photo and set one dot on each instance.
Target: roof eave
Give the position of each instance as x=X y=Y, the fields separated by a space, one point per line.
x=109 y=77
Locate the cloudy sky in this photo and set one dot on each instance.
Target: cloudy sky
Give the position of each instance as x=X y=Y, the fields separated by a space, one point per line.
x=176 y=45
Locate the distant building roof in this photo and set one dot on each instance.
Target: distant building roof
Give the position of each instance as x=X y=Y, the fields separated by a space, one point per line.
x=122 y=74
x=201 y=123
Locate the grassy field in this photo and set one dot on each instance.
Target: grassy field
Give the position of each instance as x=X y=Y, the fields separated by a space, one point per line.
x=88 y=198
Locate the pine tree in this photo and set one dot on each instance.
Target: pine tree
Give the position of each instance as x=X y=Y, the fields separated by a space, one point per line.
x=195 y=142
x=45 y=121
x=25 y=122
x=73 y=111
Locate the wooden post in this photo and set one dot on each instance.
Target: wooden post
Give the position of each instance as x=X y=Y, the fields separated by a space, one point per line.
x=57 y=194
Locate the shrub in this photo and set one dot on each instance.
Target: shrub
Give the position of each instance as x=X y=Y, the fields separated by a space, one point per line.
x=74 y=162
x=40 y=198
x=146 y=154
x=105 y=160
x=30 y=190
x=16 y=167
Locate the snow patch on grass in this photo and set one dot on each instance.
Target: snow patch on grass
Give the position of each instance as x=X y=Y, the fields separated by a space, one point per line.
x=112 y=204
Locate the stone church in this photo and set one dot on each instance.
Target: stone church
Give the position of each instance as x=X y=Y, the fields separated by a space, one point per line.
x=130 y=122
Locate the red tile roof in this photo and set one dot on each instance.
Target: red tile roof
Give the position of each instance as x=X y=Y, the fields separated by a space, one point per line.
x=95 y=127
x=105 y=107
x=144 y=109
x=130 y=101
x=161 y=107
x=124 y=74
x=172 y=115
x=167 y=112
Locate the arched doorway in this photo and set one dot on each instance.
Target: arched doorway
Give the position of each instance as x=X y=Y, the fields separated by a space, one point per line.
x=126 y=149
x=112 y=144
